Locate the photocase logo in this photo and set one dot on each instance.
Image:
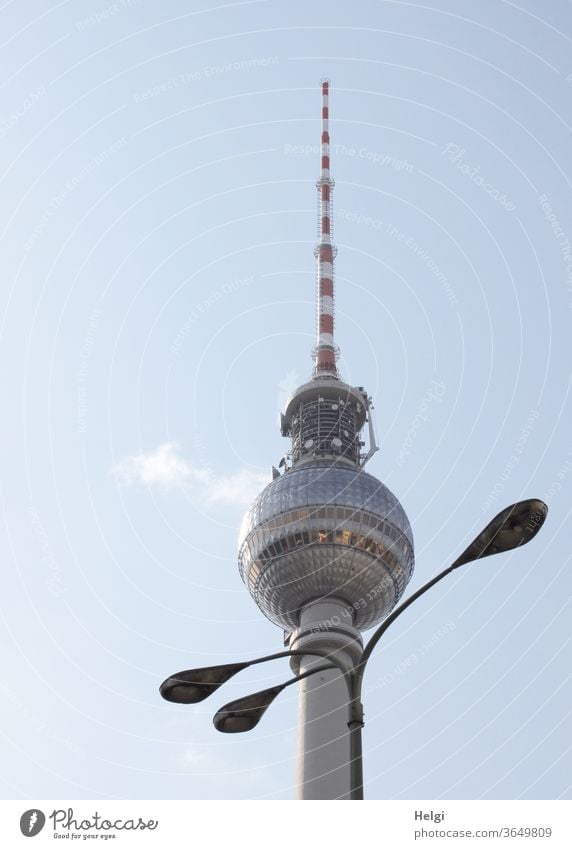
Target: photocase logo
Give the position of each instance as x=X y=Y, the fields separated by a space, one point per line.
x=32 y=822
x=65 y=824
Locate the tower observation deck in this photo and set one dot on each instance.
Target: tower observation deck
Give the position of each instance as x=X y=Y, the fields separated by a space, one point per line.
x=325 y=550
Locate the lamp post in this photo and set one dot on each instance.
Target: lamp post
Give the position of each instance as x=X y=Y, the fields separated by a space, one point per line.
x=512 y=527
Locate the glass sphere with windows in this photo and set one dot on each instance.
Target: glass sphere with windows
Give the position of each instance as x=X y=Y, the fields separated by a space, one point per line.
x=326 y=529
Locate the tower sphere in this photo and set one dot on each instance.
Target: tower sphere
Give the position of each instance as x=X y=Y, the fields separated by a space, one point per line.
x=322 y=530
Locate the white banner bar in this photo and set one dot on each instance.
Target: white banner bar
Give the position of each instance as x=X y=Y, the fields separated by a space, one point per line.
x=255 y=824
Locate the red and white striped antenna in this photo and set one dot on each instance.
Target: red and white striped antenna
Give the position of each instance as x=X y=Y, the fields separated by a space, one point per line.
x=326 y=351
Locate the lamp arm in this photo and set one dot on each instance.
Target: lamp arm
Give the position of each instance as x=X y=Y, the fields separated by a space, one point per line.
x=301 y=653
x=373 y=641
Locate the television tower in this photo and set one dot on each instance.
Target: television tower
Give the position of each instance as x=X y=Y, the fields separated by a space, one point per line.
x=326 y=550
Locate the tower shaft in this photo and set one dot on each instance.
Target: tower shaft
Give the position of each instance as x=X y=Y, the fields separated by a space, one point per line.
x=323 y=769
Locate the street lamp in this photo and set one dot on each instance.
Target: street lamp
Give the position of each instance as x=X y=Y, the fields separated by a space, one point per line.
x=512 y=527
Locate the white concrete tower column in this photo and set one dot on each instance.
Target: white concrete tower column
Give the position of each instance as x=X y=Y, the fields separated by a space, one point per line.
x=323 y=769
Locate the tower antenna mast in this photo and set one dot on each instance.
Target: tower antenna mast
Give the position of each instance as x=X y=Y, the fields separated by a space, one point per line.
x=326 y=351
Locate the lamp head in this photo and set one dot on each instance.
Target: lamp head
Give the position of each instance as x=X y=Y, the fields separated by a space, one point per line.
x=195 y=685
x=512 y=527
x=244 y=714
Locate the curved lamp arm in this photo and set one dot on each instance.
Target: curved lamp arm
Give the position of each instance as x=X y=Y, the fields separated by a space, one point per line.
x=245 y=713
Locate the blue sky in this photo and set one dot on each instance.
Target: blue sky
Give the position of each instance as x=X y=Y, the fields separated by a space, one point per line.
x=158 y=219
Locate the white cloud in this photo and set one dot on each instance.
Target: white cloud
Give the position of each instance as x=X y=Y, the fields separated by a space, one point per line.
x=161 y=466
x=166 y=468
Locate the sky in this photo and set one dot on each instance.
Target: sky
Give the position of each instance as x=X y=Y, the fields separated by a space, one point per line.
x=158 y=219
